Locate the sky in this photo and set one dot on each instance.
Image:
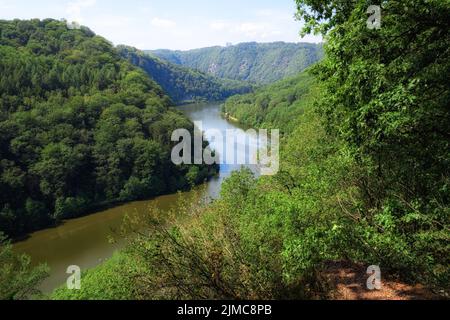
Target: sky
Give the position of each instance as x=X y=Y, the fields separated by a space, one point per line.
x=171 y=24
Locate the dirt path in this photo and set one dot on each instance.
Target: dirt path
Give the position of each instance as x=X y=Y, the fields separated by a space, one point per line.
x=349 y=281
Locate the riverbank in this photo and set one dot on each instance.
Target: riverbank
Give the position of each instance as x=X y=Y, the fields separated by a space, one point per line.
x=229 y=117
x=106 y=205
x=84 y=241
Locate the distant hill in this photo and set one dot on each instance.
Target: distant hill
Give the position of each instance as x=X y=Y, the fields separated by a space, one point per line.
x=261 y=63
x=277 y=105
x=183 y=84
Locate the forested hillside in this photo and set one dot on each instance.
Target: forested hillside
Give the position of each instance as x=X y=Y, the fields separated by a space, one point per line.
x=364 y=174
x=79 y=127
x=260 y=63
x=276 y=105
x=184 y=84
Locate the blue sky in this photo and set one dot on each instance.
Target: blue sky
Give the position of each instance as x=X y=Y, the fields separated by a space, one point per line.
x=171 y=24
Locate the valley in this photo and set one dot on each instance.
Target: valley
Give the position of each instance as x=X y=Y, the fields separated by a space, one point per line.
x=182 y=84
x=92 y=176
x=85 y=241
x=259 y=63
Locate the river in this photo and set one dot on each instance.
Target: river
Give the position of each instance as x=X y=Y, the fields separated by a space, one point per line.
x=84 y=241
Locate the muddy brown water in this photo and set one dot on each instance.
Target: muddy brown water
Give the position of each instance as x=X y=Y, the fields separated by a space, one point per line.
x=85 y=241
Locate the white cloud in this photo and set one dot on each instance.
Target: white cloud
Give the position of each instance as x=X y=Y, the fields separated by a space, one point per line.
x=112 y=21
x=75 y=8
x=6 y=4
x=251 y=28
x=163 y=23
x=248 y=29
x=265 y=13
x=275 y=15
x=149 y=26
x=219 y=25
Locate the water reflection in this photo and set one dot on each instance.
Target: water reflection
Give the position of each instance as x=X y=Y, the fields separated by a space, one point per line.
x=84 y=241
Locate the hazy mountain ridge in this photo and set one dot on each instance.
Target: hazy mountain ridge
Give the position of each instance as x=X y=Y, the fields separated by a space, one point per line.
x=184 y=84
x=261 y=63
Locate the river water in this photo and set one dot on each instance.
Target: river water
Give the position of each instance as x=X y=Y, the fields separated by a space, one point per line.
x=84 y=241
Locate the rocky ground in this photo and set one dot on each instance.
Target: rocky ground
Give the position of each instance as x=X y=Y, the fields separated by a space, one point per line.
x=349 y=282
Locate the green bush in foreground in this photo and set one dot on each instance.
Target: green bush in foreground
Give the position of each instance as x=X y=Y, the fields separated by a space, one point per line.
x=112 y=280
x=18 y=279
x=263 y=239
x=364 y=172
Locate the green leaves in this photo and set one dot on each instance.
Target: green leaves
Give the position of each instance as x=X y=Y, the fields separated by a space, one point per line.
x=18 y=279
x=183 y=84
x=274 y=106
x=80 y=126
x=261 y=63
x=386 y=98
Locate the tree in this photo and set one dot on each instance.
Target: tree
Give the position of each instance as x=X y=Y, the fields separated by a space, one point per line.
x=18 y=279
x=387 y=96
x=183 y=84
x=79 y=126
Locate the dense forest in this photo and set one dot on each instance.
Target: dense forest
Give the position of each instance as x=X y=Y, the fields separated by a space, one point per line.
x=274 y=106
x=260 y=63
x=79 y=127
x=183 y=84
x=364 y=173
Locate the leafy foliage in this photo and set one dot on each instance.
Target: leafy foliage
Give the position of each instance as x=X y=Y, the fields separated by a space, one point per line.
x=274 y=106
x=387 y=96
x=79 y=126
x=364 y=172
x=260 y=63
x=183 y=84
x=18 y=279
x=115 y=279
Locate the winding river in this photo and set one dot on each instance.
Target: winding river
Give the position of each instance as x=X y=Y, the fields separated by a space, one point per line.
x=84 y=241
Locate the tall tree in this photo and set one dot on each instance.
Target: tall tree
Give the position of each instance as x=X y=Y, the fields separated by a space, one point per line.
x=388 y=96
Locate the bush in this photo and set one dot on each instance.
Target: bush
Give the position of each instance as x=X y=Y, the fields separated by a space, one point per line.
x=113 y=280
x=19 y=280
